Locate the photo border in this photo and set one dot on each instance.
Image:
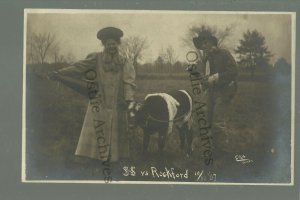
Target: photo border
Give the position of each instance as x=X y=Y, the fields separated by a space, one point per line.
x=102 y=11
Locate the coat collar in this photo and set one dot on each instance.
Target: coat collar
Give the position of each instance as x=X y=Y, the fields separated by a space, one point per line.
x=111 y=58
x=111 y=62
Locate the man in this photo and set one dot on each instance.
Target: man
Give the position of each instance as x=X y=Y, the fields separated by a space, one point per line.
x=108 y=80
x=221 y=71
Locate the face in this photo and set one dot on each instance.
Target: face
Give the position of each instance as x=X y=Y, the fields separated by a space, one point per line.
x=133 y=109
x=207 y=46
x=111 y=46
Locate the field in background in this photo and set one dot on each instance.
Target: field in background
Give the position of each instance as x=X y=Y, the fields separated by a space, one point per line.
x=260 y=129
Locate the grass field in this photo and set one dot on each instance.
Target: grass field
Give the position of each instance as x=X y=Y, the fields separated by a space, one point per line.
x=259 y=121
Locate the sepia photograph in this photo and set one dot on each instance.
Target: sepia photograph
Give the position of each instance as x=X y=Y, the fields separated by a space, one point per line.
x=158 y=97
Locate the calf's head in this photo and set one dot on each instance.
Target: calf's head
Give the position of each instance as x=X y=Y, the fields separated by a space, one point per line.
x=134 y=109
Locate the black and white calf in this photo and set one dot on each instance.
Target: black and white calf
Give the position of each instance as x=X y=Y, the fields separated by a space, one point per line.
x=159 y=113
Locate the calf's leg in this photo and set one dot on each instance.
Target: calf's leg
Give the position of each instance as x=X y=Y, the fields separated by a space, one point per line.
x=181 y=137
x=189 y=138
x=161 y=142
x=187 y=135
x=146 y=140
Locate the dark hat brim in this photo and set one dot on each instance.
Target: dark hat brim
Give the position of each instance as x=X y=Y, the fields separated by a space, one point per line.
x=109 y=33
x=198 y=41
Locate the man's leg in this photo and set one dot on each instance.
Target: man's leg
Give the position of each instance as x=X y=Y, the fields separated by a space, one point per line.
x=221 y=126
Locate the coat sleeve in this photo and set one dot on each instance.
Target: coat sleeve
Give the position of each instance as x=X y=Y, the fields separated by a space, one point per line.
x=129 y=81
x=230 y=72
x=78 y=74
x=77 y=70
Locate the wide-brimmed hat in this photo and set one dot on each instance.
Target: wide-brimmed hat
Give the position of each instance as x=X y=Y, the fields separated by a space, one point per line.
x=109 y=33
x=202 y=37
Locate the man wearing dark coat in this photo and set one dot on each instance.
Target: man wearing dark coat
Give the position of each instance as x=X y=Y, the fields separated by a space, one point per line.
x=220 y=68
x=108 y=80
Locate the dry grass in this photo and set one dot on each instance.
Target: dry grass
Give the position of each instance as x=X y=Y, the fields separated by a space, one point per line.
x=260 y=129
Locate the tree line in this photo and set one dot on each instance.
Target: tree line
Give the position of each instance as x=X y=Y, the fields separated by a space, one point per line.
x=44 y=48
x=252 y=52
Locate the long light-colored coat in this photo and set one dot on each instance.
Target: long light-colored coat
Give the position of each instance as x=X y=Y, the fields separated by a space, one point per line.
x=109 y=82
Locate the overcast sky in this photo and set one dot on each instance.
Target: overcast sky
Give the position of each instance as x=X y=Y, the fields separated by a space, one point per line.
x=76 y=32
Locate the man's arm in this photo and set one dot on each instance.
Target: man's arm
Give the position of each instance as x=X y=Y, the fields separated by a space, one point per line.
x=230 y=72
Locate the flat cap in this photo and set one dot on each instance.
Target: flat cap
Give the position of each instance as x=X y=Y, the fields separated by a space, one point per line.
x=109 y=33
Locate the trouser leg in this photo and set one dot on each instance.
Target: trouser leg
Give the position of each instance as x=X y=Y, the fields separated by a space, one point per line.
x=221 y=125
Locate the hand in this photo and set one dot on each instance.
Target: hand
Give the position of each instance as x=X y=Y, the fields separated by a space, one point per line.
x=192 y=70
x=54 y=75
x=211 y=80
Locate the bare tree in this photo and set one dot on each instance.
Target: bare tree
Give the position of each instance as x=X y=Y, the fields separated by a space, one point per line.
x=42 y=43
x=169 y=55
x=132 y=48
x=58 y=57
x=55 y=51
x=30 y=58
x=42 y=47
x=221 y=34
x=61 y=59
x=70 y=58
x=30 y=50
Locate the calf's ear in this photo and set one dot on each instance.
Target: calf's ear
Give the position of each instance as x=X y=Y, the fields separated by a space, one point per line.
x=131 y=105
x=138 y=106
